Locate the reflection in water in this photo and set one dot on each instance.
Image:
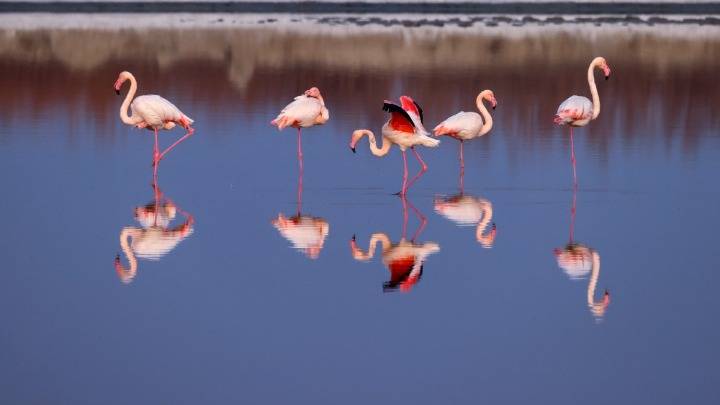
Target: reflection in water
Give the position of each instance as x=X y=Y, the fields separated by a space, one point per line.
x=306 y=232
x=577 y=260
x=154 y=238
x=404 y=259
x=466 y=210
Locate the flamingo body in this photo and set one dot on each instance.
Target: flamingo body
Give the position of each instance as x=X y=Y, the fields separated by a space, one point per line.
x=405 y=127
x=306 y=110
x=463 y=125
x=154 y=112
x=576 y=111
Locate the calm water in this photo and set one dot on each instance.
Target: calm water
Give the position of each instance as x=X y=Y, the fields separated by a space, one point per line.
x=232 y=302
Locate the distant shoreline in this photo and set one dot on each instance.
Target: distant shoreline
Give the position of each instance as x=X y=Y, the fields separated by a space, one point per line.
x=340 y=7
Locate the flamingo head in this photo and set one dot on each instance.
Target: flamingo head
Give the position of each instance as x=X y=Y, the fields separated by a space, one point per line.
x=313 y=92
x=124 y=75
x=357 y=134
x=601 y=63
x=490 y=97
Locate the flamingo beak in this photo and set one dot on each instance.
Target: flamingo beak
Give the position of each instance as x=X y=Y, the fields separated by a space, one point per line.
x=352 y=148
x=117 y=85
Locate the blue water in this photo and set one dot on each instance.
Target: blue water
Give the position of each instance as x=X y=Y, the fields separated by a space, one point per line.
x=234 y=313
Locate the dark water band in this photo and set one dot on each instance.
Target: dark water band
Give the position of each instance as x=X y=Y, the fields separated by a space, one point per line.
x=312 y=7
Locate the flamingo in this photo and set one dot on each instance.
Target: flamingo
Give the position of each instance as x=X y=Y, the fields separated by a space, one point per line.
x=405 y=129
x=404 y=259
x=577 y=260
x=152 y=112
x=578 y=111
x=154 y=238
x=465 y=126
x=306 y=233
x=467 y=210
x=307 y=110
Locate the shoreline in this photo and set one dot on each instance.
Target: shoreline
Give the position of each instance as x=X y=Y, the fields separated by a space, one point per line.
x=351 y=24
x=343 y=7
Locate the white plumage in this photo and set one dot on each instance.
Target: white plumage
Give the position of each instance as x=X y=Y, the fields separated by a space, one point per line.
x=576 y=111
x=464 y=125
x=304 y=111
x=156 y=111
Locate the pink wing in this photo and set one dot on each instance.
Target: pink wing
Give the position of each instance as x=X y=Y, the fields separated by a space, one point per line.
x=575 y=108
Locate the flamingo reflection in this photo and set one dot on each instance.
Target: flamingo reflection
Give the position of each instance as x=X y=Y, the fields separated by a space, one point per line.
x=577 y=260
x=154 y=238
x=467 y=210
x=305 y=232
x=404 y=259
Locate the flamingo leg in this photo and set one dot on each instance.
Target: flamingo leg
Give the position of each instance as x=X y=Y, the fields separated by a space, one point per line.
x=156 y=156
x=462 y=168
x=572 y=156
x=189 y=133
x=403 y=191
x=299 y=150
x=423 y=168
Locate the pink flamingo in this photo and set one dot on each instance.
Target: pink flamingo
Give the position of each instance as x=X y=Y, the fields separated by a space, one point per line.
x=577 y=111
x=405 y=129
x=307 y=110
x=152 y=112
x=465 y=126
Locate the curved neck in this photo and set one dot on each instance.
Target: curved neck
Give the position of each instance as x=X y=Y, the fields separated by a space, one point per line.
x=487 y=213
x=358 y=253
x=383 y=150
x=126 y=103
x=487 y=118
x=597 y=308
x=593 y=90
x=127 y=274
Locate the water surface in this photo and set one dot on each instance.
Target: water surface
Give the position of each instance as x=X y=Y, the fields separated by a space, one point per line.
x=245 y=293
